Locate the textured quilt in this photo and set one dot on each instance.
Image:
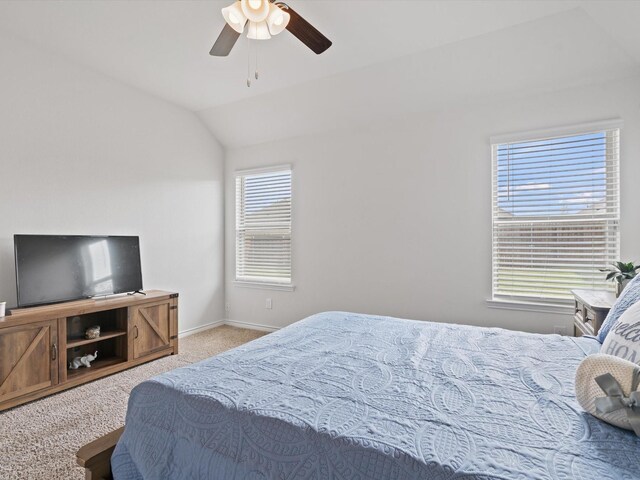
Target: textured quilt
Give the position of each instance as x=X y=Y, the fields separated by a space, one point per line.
x=354 y=397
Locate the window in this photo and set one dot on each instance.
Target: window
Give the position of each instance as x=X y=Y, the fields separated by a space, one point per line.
x=263 y=226
x=556 y=211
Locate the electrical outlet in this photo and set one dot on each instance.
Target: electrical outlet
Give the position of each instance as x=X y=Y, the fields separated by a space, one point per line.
x=268 y=305
x=227 y=307
x=560 y=330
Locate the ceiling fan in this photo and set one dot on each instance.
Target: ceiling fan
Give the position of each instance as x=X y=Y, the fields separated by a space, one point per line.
x=265 y=18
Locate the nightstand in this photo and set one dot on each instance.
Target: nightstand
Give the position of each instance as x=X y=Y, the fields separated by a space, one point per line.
x=591 y=308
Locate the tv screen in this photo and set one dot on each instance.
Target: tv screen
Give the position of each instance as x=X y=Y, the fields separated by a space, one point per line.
x=51 y=268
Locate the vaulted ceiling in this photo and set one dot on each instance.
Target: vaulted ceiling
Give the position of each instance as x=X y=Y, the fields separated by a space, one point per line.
x=388 y=57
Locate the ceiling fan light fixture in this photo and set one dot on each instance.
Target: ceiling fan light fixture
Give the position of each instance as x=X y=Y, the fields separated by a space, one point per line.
x=235 y=17
x=255 y=10
x=264 y=19
x=258 y=31
x=277 y=20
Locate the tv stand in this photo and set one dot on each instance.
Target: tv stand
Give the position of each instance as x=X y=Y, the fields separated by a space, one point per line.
x=136 y=291
x=37 y=343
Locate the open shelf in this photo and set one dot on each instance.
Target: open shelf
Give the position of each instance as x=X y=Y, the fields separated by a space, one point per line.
x=109 y=321
x=95 y=365
x=111 y=348
x=103 y=336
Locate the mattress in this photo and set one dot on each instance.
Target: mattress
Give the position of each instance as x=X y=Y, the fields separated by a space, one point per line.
x=354 y=397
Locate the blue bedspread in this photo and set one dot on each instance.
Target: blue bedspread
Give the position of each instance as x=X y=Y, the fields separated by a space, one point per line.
x=353 y=397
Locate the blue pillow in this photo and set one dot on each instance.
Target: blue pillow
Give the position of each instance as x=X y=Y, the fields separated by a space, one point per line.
x=629 y=296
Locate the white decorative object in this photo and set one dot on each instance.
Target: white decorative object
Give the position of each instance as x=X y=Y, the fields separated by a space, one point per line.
x=607 y=387
x=3 y=308
x=85 y=361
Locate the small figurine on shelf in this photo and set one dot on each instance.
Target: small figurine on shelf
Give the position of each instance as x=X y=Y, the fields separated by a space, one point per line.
x=92 y=332
x=85 y=361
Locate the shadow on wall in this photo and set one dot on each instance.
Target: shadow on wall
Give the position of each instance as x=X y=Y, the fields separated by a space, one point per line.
x=7 y=273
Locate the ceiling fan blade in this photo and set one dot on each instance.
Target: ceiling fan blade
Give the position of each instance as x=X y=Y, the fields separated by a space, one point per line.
x=307 y=33
x=225 y=42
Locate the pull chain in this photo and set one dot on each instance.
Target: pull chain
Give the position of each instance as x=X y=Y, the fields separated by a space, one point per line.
x=256 y=48
x=248 y=62
x=256 y=74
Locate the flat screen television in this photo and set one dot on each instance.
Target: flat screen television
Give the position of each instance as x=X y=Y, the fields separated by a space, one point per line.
x=57 y=268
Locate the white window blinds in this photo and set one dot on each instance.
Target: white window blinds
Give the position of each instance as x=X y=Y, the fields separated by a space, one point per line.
x=263 y=226
x=556 y=210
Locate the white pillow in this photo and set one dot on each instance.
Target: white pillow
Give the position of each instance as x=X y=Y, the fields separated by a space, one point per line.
x=621 y=378
x=623 y=340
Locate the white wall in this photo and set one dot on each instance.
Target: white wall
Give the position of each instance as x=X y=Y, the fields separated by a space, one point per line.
x=567 y=50
x=83 y=154
x=396 y=219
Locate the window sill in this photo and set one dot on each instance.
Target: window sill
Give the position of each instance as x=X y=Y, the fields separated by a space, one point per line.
x=530 y=306
x=264 y=285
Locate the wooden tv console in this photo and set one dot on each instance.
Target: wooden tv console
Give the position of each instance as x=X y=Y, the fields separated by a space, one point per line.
x=37 y=344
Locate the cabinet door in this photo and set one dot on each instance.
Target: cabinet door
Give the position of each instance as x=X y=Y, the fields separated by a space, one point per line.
x=28 y=359
x=151 y=328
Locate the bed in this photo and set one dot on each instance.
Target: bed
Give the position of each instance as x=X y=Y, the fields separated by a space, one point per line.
x=353 y=397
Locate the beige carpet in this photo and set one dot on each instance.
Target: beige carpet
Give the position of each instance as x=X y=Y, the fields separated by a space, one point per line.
x=39 y=440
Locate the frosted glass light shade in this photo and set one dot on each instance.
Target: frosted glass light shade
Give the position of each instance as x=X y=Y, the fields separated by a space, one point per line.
x=255 y=10
x=258 y=31
x=277 y=20
x=235 y=17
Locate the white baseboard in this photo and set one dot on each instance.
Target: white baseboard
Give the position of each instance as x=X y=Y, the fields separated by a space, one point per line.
x=232 y=323
x=208 y=326
x=250 y=326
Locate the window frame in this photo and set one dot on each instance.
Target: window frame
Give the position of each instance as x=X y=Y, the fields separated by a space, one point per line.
x=533 y=303
x=256 y=283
